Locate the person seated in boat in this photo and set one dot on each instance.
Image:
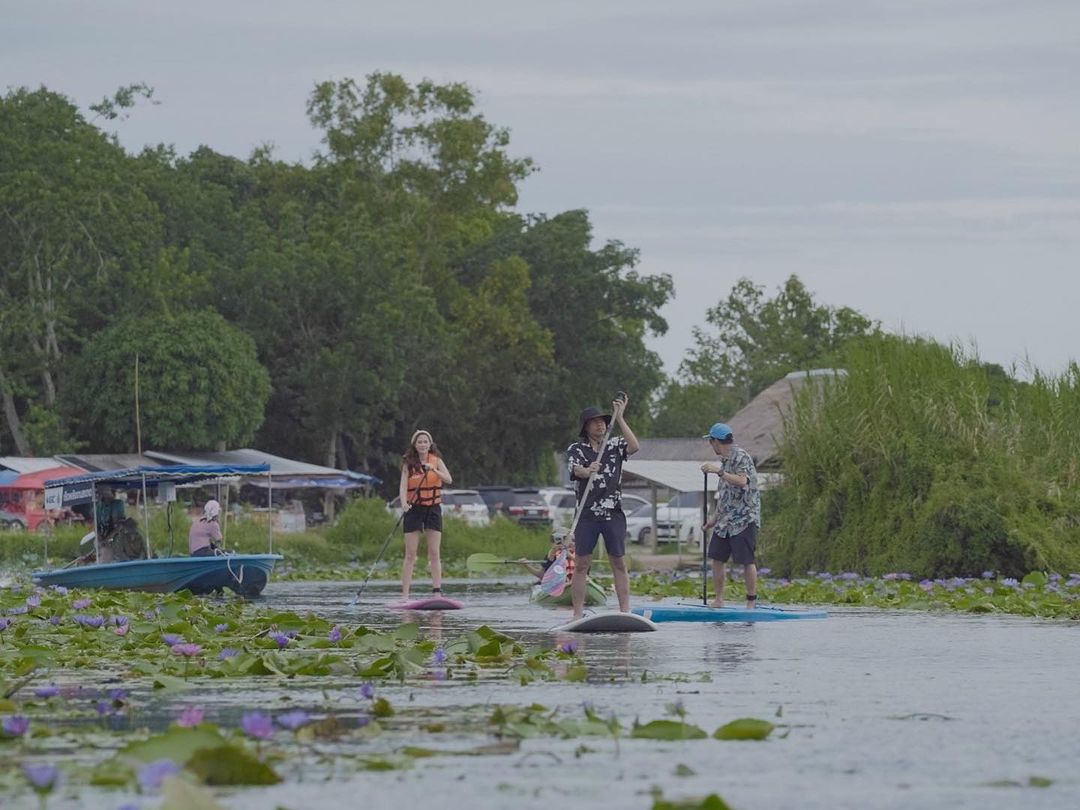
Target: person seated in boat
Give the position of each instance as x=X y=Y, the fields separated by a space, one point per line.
x=118 y=536
x=558 y=545
x=205 y=535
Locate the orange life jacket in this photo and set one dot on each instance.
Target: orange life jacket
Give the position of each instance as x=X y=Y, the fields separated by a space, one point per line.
x=425 y=488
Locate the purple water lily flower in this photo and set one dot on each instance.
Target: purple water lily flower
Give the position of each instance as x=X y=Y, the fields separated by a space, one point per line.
x=93 y=622
x=190 y=717
x=17 y=611
x=172 y=639
x=294 y=720
x=15 y=725
x=55 y=620
x=42 y=777
x=1009 y=582
x=5 y=624
x=987 y=574
x=568 y=647
x=438 y=656
x=60 y=589
x=257 y=725
x=186 y=650
x=226 y=654
x=119 y=621
x=104 y=708
x=280 y=639
x=49 y=691
x=367 y=691
x=81 y=604
x=153 y=774
x=119 y=695
x=33 y=601
x=334 y=635
x=220 y=628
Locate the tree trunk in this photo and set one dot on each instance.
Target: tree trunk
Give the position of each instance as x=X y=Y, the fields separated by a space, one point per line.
x=11 y=417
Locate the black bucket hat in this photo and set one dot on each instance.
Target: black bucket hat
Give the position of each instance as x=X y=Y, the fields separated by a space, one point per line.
x=592 y=413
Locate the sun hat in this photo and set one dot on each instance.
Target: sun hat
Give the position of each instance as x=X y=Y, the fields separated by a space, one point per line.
x=589 y=414
x=211 y=509
x=720 y=432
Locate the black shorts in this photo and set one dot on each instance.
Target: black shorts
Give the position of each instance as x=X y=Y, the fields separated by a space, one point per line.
x=739 y=547
x=420 y=518
x=588 y=532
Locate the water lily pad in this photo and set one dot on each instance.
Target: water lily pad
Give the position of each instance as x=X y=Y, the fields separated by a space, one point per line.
x=229 y=765
x=710 y=802
x=745 y=728
x=668 y=730
x=176 y=744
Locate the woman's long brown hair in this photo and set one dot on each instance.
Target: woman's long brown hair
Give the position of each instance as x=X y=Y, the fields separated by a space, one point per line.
x=412 y=457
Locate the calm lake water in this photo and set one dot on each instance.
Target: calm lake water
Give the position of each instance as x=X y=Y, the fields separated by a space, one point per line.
x=881 y=709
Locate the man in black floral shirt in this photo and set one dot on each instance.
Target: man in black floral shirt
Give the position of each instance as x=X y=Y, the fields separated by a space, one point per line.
x=600 y=513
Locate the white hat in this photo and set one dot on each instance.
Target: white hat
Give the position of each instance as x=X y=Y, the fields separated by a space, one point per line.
x=211 y=510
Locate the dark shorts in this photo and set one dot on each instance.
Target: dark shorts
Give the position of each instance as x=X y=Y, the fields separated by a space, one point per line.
x=205 y=551
x=587 y=535
x=420 y=518
x=739 y=547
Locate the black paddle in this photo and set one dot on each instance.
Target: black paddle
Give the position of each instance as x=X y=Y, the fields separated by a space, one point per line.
x=705 y=544
x=382 y=551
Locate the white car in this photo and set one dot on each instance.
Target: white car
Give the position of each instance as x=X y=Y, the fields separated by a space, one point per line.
x=562 y=501
x=680 y=519
x=463 y=504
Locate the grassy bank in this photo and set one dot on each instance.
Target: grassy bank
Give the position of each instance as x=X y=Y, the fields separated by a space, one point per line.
x=923 y=460
x=348 y=546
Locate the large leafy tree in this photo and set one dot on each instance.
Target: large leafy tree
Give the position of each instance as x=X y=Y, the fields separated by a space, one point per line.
x=751 y=341
x=200 y=384
x=74 y=229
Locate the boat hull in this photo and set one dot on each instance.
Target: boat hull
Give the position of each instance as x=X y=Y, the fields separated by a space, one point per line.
x=247 y=574
x=594 y=595
x=700 y=613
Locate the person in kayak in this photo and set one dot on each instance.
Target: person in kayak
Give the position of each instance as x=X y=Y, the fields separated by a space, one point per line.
x=600 y=505
x=558 y=544
x=737 y=518
x=423 y=475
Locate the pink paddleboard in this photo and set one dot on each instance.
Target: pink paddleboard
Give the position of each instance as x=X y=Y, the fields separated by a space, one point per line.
x=428 y=603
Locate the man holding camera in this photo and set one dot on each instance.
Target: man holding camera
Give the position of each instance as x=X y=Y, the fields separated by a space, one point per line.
x=595 y=464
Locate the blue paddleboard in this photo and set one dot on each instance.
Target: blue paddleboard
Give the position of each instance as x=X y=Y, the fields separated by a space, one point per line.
x=700 y=613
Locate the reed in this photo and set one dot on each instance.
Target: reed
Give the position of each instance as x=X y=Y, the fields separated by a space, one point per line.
x=924 y=460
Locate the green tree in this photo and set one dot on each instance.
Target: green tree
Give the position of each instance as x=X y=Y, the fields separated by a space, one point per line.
x=200 y=384
x=73 y=226
x=751 y=340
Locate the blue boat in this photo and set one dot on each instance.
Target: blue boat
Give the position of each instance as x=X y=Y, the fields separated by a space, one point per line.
x=702 y=613
x=246 y=574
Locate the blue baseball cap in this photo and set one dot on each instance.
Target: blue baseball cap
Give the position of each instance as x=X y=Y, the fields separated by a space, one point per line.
x=719 y=431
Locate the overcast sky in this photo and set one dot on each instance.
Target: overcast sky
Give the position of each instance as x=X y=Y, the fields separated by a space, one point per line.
x=919 y=161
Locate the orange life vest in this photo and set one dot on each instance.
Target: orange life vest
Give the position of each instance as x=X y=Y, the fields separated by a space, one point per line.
x=425 y=488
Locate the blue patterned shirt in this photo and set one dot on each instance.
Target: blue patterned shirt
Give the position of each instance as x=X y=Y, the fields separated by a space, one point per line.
x=737 y=507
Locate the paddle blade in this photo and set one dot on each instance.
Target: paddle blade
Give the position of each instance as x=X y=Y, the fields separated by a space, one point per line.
x=483 y=562
x=553 y=582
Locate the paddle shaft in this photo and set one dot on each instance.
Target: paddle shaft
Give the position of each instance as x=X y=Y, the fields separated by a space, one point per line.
x=705 y=542
x=382 y=551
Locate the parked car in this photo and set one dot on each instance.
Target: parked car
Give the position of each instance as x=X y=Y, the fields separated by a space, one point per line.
x=9 y=521
x=561 y=503
x=464 y=504
x=679 y=518
x=631 y=503
x=497 y=498
x=529 y=508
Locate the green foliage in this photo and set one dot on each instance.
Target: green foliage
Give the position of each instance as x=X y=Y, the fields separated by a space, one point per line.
x=921 y=460
x=200 y=383
x=752 y=341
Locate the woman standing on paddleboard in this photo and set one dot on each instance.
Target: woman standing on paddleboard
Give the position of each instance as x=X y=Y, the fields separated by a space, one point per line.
x=423 y=474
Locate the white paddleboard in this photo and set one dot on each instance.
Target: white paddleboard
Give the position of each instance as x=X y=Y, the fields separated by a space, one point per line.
x=608 y=623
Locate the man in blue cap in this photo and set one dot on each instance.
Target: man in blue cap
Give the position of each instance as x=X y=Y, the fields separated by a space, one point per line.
x=737 y=518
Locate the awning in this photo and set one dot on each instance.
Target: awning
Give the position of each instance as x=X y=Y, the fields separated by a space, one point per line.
x=681 y=476
x=76 y=489
x=308 y=483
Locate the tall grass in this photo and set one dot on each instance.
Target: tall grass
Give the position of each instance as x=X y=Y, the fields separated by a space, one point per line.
x=923 y=460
